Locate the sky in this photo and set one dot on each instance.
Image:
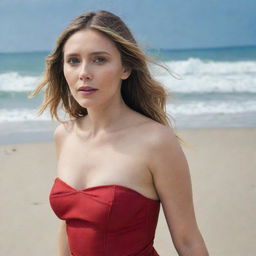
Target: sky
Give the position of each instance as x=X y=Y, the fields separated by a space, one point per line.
x=33 y=25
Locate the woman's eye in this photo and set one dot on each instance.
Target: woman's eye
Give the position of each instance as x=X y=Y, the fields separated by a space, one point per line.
x=99 y=60
x=73 y=60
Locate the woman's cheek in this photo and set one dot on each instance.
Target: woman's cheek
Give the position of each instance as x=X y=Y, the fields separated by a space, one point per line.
x=110 y=75
x=70 y=77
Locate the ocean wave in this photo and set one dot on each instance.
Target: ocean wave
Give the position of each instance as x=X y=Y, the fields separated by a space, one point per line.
x=196 y=76
x=14 y=115
x=213 y=107
x=201 y=76
x=13 y=81
x=190 y=108
x=197 y=66
x=205 y=84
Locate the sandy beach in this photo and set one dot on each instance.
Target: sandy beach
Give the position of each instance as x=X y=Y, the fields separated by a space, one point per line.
x=223 y=171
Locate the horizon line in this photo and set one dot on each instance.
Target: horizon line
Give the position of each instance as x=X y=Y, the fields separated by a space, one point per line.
x=148 y=48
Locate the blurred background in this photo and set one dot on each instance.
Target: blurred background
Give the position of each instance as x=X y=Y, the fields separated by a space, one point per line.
x=210 y=46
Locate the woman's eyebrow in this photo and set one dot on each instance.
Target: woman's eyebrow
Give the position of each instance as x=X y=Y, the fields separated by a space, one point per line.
x=92 y=53
x=71 y=55
x=99 y=52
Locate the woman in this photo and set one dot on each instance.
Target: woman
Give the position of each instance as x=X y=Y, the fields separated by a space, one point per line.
x=118 y=157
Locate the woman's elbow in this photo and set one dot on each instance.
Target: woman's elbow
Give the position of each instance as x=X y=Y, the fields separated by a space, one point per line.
x=192 y=246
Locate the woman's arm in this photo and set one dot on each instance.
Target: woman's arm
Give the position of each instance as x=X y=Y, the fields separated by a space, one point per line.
x=170 y=172
x=63 y=247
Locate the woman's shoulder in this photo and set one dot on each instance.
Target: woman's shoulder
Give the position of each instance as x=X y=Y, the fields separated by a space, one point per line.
x=155 y=128
x=158 y=134
x=63 y=129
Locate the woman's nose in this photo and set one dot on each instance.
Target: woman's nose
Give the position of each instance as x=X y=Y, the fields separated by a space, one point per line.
x=85 y=72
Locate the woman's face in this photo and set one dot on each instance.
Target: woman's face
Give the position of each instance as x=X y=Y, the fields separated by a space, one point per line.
x=92 y=59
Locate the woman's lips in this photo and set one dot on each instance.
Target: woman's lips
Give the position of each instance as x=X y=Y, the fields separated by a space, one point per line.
x=86 y=88
x=88 y=92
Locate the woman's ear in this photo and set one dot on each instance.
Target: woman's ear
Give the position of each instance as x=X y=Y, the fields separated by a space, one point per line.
x=126 y=73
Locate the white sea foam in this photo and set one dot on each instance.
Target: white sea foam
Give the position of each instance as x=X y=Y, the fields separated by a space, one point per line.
x=13 y=81
x=213 y=107
x=26 y=114
x=13 y=115
x=190 y=108
x=197 y=76
x=202 y=67
x=208 y=84
x=200 y=76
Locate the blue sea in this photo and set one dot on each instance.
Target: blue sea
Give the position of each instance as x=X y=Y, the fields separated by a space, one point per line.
x=209 y=88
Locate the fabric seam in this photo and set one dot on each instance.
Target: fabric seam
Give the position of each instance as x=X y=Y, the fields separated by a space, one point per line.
x=108 y=220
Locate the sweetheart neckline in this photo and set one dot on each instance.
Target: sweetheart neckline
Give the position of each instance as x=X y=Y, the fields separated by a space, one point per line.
x=107 y=185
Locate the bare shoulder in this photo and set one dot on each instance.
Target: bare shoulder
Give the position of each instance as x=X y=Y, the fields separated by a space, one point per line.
x=63 y=129
x=61 y=133
x=164 y=150
x=161 y=137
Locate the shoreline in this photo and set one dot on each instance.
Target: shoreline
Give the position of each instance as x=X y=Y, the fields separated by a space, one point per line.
x=42 y=131
x=47 y=136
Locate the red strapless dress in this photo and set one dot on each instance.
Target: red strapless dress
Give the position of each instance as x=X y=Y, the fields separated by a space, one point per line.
x=106 y=220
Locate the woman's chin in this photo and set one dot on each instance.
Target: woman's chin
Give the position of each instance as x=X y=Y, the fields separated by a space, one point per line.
x=86 y=104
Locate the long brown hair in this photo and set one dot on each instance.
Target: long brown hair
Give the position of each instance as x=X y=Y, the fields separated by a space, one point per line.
x=139 y=91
